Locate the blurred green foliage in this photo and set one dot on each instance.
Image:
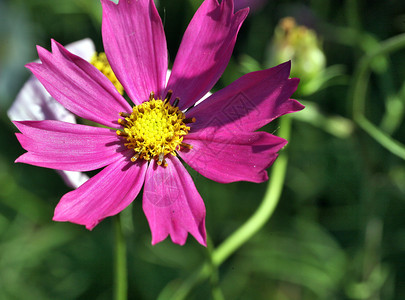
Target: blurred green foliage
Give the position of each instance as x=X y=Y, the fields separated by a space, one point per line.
x=338 y=231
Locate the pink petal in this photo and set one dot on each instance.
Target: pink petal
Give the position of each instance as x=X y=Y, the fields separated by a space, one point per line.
x=135 y=45
x=66 y=146
x=79 y=86
x=106 y=194
x=226 y=157
x=205 y=50
x=33 y=102
x=172 y=204
x=249 y=103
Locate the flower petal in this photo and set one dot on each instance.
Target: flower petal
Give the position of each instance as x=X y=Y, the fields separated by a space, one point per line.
x=226 y=157
x=135 y=45
x=33 y=102
x=79 y=86
x=106 y=194
x=172 y=204
x=247 y=104
x=205 y=50
x=65 y=146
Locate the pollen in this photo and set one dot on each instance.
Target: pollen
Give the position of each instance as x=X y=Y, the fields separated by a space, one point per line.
x=99 y=60
x=155 y=129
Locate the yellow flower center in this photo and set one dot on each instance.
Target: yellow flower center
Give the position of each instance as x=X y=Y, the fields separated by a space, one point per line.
x=155 y=129
x=99 y=60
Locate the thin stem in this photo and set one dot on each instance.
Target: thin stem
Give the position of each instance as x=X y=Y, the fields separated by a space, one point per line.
x=120 y=262
x=382 y=138
x=266 y=208
x=214 y=280
x=248 y=229
x=363 y=69
x=360 y=83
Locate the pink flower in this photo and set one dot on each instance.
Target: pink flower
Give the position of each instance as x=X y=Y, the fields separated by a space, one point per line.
x=217 y=137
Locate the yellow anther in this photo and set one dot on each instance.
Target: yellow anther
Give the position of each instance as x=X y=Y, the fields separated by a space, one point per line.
x=154 y=130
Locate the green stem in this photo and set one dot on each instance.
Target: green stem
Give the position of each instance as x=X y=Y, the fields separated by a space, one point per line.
x=120 y=262
x=359 y=91
x=247 y=230
x=214 y=278
x=266 y=208
x=382 y=138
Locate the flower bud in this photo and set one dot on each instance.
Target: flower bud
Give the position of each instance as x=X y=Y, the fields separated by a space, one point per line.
x=300 y=45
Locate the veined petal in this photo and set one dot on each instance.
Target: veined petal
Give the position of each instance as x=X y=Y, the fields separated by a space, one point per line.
x=135 y=45
x=172 y=204
x=106 y=194
x=33 y=102
x=65 y=146
x=249 y=103
x=79 y=86
x=205 y=50
x=227 y=157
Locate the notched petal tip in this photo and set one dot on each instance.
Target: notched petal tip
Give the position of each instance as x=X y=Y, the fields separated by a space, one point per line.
x=172 y=204
x=60 y=217
x=297 y=106
x=91 y=226
x=284 y=69
x=242 y=13
x=20 y=159
x=32 y=66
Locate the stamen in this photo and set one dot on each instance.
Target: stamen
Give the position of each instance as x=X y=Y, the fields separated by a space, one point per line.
x=161 y=158
x=185 y=145
x=169 y=95
x=121 y=133
x=189 y=120
x=124 y=114
x=122 y=122
x=176 y=101
x=151 y=96
x=135 y=157
x=154 y=130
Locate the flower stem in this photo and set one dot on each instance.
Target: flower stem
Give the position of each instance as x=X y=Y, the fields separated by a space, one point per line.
x=120 y=262
x=214 y=280
x=266 y=208
x=246 y=231
x=359 y=90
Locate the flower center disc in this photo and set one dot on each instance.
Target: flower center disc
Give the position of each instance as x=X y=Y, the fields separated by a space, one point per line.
x=154 y=129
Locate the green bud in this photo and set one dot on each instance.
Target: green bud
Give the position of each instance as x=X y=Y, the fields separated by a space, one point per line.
x=300 y=45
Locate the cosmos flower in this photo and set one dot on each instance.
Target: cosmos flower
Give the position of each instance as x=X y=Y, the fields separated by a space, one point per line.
x=150 y=140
